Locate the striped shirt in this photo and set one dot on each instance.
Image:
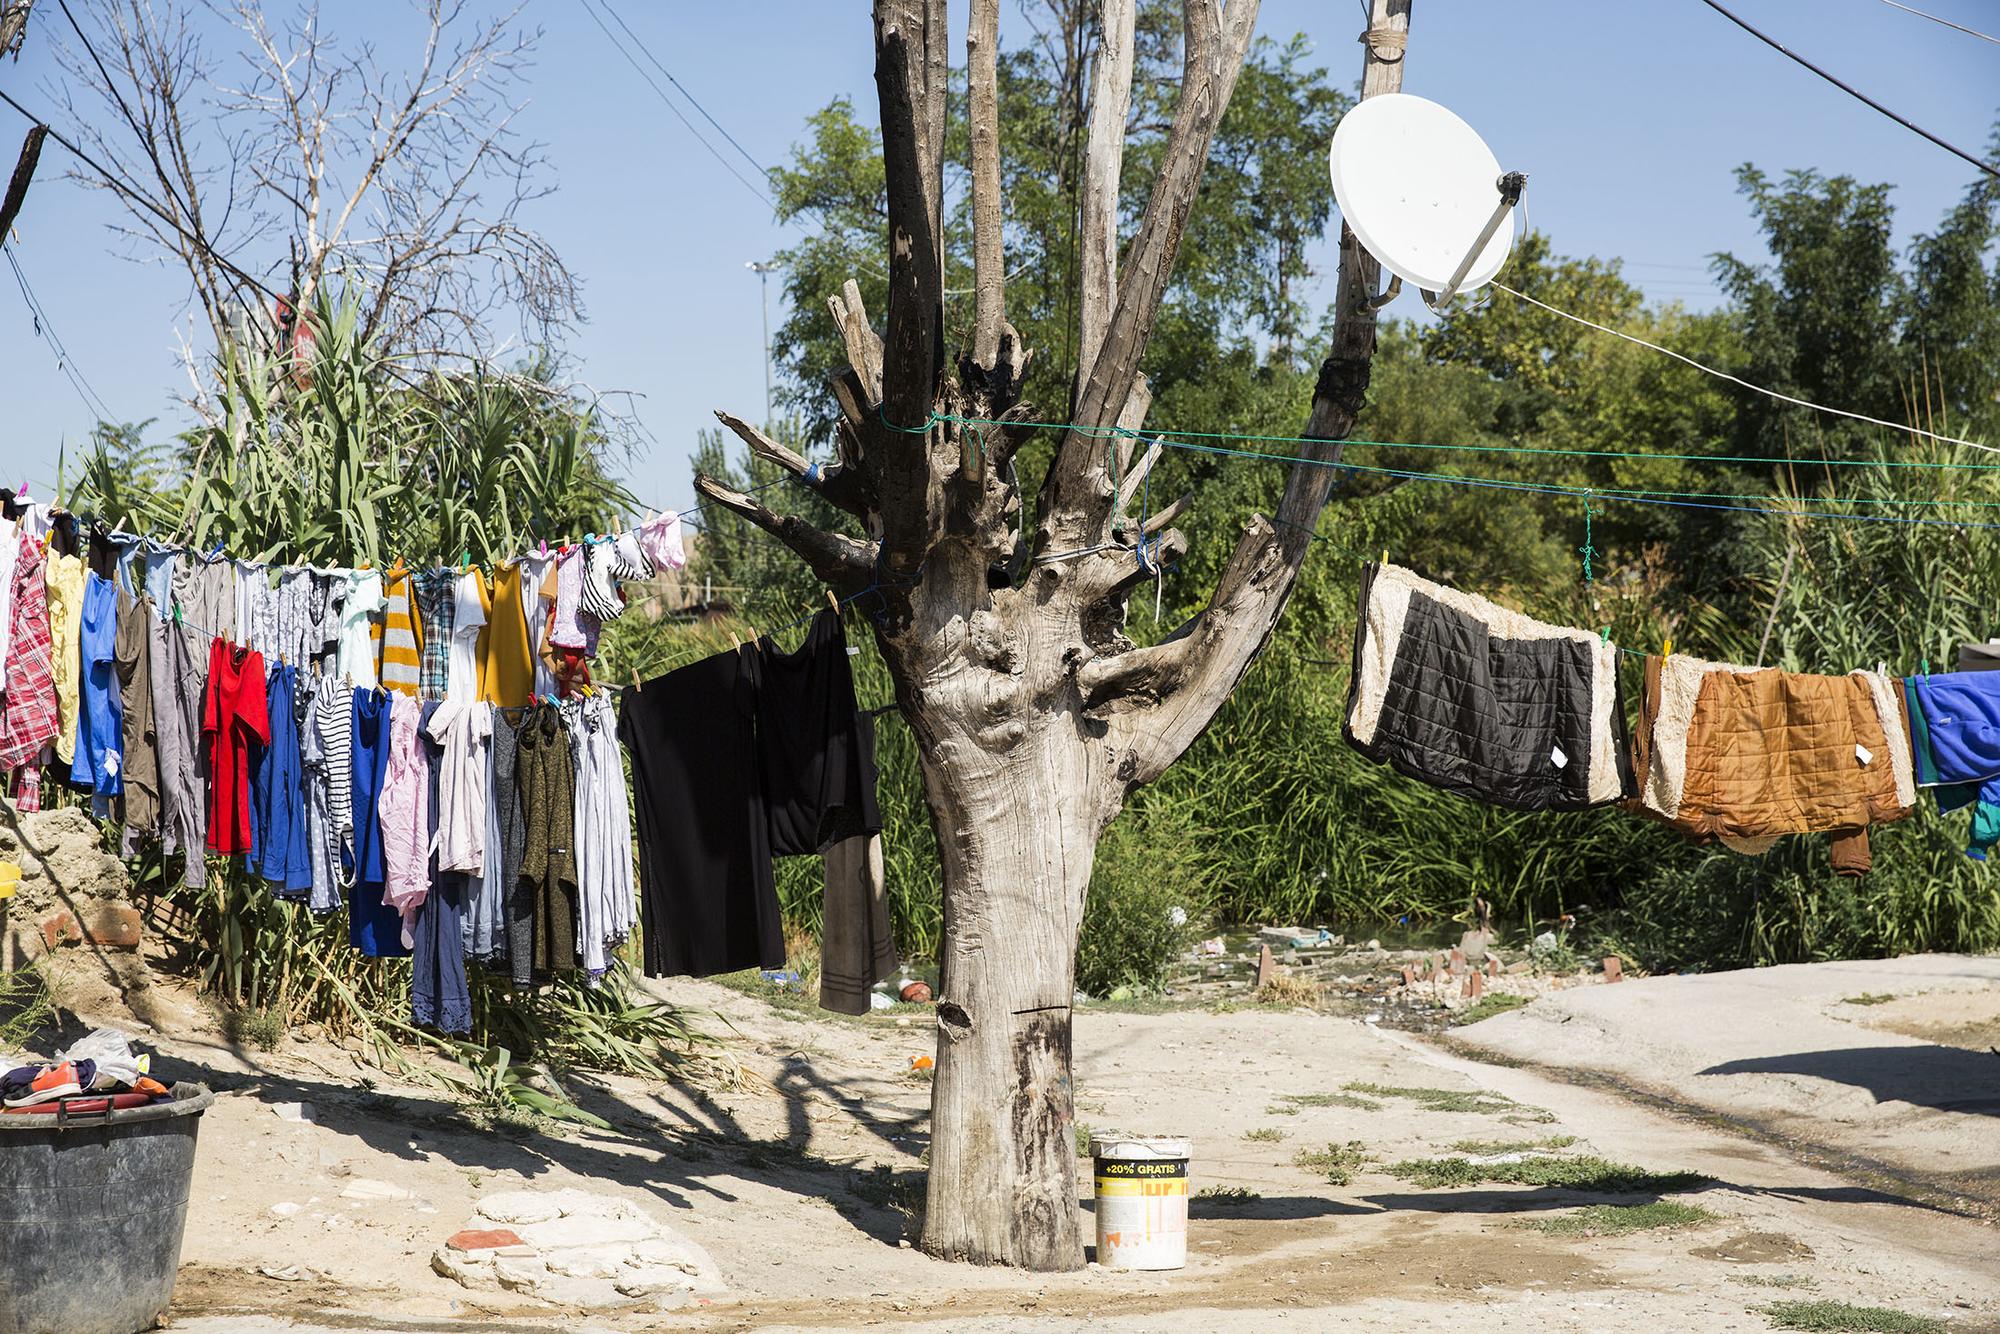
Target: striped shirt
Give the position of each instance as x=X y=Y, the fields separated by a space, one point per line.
x=605 y=563
x=399 y=636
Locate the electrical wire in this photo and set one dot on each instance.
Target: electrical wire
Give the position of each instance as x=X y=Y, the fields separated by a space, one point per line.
x=1738 y=380
x=93 y=402
x=682 y=90
x=1970 y=32
x=1851 y=90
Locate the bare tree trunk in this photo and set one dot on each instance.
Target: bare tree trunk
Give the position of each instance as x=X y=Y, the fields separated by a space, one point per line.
x=1035 y=716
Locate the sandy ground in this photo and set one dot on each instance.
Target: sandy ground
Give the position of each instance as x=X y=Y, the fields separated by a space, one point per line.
x=799 y=1183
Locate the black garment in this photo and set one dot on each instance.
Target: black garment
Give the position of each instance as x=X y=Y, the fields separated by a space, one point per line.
x=62 y=534
x=103 y=553
x=707 y=898
x=517 y=897
x=1507 y=718
x=819 y=764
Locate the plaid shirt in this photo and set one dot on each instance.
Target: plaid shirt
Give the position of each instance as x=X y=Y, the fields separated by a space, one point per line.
x=436 y=612
x=29 y=721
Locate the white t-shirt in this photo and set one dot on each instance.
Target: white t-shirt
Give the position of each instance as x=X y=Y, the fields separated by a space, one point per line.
x=468 y=618
x=355 y=659
x=10 y=551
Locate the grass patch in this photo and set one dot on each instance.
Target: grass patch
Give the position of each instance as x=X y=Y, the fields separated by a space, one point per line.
x=1586 y=1173
x=1868 y=998
x=263 y=1029
x=1281 y=1109
x=1264 y=1135
x=1337 y=1161
x=1227 y=1194
x=1614 y=1220
x=1298 y=1100
x=1487 y=1007
x=27 y=1004
x=1480 y=1148
x=1453 y=1100
x=1285 y=989
x=1775 y=1280
x=1823 y=1315
x=1083 y=1134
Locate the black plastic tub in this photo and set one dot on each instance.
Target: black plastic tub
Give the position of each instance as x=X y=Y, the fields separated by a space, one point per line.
x=91 y=1212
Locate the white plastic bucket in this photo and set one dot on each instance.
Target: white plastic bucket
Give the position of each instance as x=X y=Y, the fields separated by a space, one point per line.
x=1142 y=1201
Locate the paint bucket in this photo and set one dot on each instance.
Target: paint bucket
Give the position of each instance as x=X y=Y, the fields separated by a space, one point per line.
x=1142 y=1201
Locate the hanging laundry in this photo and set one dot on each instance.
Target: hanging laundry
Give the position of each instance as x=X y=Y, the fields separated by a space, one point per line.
x=468 y=637
x=1955 y=742
x=573 y=626
x=295 y=622
x=463 y=732
x=373 y=925
x=281 y=851
x=361 y=601
x=1746 y=755
x=257 y=609
x=100 y=735
x=507 y=672
x=139 y=805
x=29 y=717
x=440 y=997
x=434 y=594
x=538 y=605
x=205 y=592
x=608 y=562
x=235 y=727
x=1473 y=698
x=10 y=555
x=180 y=680
x=660 y=539
x=606 y=909
x=161 y=561
x=63 y=579
x=401 y=652
x=504 y=921
x=405 y=816
x=857 y=943
x=707 y=895
x=324 y=714
x=545 y=782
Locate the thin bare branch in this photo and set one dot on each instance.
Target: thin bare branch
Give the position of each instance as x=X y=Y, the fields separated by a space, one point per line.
x=841 y=563
x=842 y=487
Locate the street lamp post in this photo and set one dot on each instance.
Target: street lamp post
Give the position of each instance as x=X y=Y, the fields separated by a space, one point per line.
x=763 y=269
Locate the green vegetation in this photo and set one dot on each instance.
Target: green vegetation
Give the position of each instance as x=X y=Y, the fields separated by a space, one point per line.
x=1775 y=1280
x=1264 y=1135
x=1612 y=1220
x=1227 y=1195
x=1488 y=1006
x=1585 y=1174
x=1298 y=1100
x=1824 y=1315
x=26 y=1004
x=1337 y=1162
x=1455 y=1100
x=1484 y=1147
x=262 y=1029
x=1868 y=998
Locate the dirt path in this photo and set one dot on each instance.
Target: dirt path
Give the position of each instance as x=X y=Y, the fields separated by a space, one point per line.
x=800 y=1186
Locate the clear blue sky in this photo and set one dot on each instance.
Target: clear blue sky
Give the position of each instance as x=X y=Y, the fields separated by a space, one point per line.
x=1629 y=117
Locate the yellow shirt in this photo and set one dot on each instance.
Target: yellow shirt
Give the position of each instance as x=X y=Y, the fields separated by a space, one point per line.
x=506 y=665
x=65 y=597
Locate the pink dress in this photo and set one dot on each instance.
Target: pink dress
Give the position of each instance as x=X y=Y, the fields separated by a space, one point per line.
x=574 y=627
x=406 y=816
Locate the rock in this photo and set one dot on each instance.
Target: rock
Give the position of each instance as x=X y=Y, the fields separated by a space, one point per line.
x=483 y=1239
x=521 y=1206
x=1614 y=968
x=1267 y=967
x=295 y=1111
x=285 y=1209
x=582 y=1250
x=367 y=1188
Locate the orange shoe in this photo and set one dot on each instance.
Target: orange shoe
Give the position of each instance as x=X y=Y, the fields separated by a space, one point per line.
x=58 y=1081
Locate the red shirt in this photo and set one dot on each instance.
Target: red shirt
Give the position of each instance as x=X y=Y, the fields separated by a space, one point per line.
x=235 y=724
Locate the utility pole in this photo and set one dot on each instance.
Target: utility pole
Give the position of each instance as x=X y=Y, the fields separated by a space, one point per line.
x=764 y=268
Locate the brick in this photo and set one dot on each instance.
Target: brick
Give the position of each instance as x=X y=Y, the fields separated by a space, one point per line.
x=1267 y=967
x=1409 y=976
x=485 y=1239
x=1465 y=987
x=60 y=928
x=1457 y=959
x=1492 y=966
x=114 y=926
x=1475 y=986
x=1614 y=969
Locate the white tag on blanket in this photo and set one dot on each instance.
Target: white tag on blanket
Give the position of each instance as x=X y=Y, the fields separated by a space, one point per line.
x=853 y=650
x=1562 y=760
x=1862 y=753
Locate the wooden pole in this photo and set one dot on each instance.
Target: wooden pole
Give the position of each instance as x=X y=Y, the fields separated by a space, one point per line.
x=13 y=22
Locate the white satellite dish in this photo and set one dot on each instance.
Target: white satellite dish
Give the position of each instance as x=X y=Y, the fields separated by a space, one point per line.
x=1423 y=193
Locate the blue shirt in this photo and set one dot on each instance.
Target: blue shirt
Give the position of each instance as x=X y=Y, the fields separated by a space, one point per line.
x=278 y=847
x=100 y=725
x=373 y=927
x=160 y=560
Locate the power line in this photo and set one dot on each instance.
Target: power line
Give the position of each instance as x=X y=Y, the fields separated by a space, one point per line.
x=647 y=52
x=44 y=330
x=1740 y=381
x=1851 y=90
x=1970 y=32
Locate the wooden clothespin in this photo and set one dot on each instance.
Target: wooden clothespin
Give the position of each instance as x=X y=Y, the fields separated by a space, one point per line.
x=832 y=602
x=636 y=687
x=1667 y=649
x=734 y=642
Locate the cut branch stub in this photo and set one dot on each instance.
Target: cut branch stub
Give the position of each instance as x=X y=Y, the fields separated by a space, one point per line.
x=843 y=487
x=843 y=564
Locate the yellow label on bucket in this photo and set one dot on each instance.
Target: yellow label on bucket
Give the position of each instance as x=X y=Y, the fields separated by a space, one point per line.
x=1117 y=1186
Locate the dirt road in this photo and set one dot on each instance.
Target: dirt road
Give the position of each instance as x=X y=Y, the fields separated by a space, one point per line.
x=801 y=1187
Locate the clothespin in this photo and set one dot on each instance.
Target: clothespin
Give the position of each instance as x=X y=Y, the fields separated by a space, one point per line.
x=465 y=559
x=1924 y=667
x=636 y=687
x=1607 y=634
x=1385 y=555
x=833 y=602
x=21 y=491
x=737 y=644
x=542 y=548
x=1667 y=649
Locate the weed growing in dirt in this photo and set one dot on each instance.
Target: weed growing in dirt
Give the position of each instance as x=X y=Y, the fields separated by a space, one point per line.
x=1480 y=1148
x=1281 y=1109
x=1823 y=1315
x=1264 y=1134
x=1487 y=1007
x=1452 y=1100
x=1298 y=1100
x=1226 y=1195
x=263 y=1029
x=1337 y=1161
x=1613 y=1220
x=1285 y=989
x=1775 y=1280
x=1083 y=1134
x=1868 y=998
x=26 y=1003
x=1596 y=1175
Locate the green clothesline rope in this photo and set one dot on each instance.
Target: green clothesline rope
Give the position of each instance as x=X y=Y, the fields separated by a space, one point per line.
x=1182 y=440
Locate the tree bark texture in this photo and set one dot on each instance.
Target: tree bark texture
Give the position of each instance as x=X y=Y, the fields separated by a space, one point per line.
x=1035 y=716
